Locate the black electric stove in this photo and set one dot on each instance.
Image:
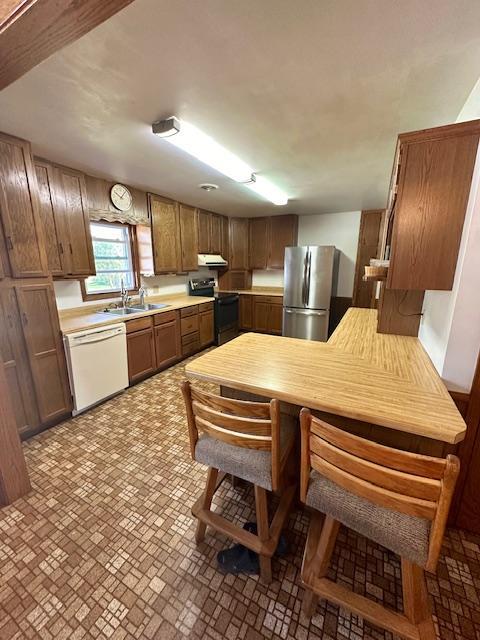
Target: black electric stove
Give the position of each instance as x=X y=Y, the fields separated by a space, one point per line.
x=225 y=308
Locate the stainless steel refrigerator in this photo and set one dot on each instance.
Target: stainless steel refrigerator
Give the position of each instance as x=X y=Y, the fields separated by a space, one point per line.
x=310 y=280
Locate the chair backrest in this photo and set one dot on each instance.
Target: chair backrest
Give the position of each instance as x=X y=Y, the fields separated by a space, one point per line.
x=402 y=481
x=253 y=425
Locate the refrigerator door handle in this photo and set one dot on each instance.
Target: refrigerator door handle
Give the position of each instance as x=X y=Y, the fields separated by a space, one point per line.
x=309 y=273
x=304 y=281
x=306 y=312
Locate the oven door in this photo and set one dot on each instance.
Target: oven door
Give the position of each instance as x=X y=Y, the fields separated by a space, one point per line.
x=226 y=319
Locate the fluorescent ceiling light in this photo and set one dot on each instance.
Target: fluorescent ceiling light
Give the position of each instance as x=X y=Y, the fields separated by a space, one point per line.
x=204 y=148
x=187 y=137
x=265 y=188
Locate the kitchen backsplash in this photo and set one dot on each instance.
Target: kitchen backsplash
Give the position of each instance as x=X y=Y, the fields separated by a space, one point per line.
x=69 y=294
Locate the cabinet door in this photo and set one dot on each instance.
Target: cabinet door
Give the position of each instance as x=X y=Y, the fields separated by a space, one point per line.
x=141 y=354
x=215 y=233
x=15 y=360
x=434 y=186
x=206 y=328
x=188 y=238
x=19 y=209
x=165 y=234
x=45 y=349
x=238 y=244
x=70 y=186
x=225 y=239
x=368 y=240
x=203 y=231
x=258 y=235
x=275 y=319
x=168 y=343
x=51 y=219
x=246 y=312
x=283 y=233
x=260 y=316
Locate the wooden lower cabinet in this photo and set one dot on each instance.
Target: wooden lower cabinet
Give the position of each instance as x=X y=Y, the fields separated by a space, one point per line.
x=41 y=329
x=206 y=328
x=267 y=314
x=15 y=360
x=141 y=353
x=245 y=304
x=168 y=343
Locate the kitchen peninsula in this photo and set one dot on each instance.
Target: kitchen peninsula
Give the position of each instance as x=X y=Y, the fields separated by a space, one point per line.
x=382 y=386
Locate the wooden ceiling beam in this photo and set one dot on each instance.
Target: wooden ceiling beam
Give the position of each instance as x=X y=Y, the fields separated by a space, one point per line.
x=32 y=30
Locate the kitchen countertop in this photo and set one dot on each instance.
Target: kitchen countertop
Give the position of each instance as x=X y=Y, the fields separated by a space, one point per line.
x=256 y=291
x=72 y=320
x=385 y=380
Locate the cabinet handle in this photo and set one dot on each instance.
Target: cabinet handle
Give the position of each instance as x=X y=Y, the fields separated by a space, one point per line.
x=24 y=318
x=60 y=248
x=70 y=245
x=9 y=243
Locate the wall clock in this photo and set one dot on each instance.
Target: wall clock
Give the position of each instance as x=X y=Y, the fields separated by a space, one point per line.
x=121 y=197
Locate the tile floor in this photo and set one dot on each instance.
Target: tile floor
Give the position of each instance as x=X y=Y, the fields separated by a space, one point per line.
x=103 y=545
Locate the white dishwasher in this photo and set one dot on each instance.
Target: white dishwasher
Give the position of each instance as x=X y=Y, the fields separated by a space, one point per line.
x=97 y=364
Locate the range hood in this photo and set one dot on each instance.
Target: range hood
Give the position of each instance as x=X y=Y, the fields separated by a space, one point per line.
x=211 y=260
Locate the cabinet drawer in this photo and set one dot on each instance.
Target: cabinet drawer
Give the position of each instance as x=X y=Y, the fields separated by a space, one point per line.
x=166 y=316
x=190 y=343
x=269 y=299
x=189 y=325
x=205 y=306
x=189 y=311
x=139 y=324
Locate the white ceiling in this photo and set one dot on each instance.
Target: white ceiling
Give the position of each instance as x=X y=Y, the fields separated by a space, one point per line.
x=310 y=93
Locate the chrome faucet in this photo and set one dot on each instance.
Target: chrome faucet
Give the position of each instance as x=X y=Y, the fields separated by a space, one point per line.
x=142 y=293
x=124 y=295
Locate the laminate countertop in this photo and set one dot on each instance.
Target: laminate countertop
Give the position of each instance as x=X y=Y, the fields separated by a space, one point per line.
x=79 y=319
x=381 y=379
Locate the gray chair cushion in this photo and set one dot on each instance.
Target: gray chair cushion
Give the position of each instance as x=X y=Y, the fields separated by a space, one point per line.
x=406 y=535
x=248 y=464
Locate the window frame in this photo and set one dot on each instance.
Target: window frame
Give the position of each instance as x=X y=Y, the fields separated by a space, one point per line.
x=135 y=264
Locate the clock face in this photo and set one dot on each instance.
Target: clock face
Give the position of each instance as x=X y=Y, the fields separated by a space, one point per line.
x=121 y=197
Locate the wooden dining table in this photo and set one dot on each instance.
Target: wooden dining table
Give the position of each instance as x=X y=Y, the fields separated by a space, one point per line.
x=382 y=386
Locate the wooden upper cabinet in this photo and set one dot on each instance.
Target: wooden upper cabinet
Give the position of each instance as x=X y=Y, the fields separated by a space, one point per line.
x=165 y=234
x=51 y=219
x=433 y=189
x=19 y=213
x=204 y=237
x=188 y=238
x=283 y=232
x=225 y=238
x=259 y=249
x=70 y=188
x=238 y=251
x=39 y=318
x=215 y=233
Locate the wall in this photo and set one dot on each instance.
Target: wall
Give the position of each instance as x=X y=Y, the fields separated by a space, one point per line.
x=450 y=327
x=339 y=229
x=69 y=295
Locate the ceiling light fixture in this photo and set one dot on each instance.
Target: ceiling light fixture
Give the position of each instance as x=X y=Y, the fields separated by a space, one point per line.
x=187 y=137
x=265 y=188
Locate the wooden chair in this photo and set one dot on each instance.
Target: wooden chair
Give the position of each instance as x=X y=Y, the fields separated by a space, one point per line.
x=398 y=499
x=247 y=440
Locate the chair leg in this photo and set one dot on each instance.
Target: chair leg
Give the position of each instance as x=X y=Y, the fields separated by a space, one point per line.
x=206 y=502
x=415 y=600
x=263 y=532
x=318 y=552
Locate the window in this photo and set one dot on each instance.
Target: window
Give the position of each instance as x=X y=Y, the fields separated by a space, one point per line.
x=112 y=250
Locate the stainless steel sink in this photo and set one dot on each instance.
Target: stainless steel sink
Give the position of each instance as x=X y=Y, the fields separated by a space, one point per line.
x=124 y=312
x=149 y=307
